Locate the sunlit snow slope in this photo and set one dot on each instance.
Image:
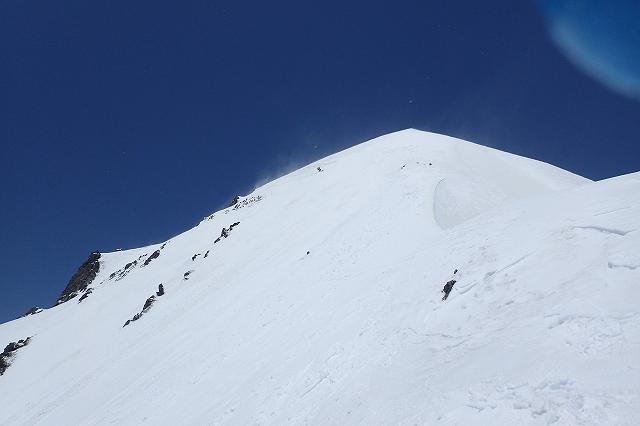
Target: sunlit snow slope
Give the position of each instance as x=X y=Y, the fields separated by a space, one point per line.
x=542 y=327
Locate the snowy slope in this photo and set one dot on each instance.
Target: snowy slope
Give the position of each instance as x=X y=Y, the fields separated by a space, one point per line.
x=543 y=326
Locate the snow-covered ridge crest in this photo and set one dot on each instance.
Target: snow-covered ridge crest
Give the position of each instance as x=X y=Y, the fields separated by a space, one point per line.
x=319 y=302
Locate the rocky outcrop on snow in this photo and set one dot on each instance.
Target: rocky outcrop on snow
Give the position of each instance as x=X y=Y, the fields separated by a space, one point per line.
x=225 y=232
x=154 y=255
x=240 y=203
x=82 y=278
x=9 y=352
x=147 y=305
x=32 y=311
x=86 y=294
x=130 y=266
x=234 y=201
x=121 y=273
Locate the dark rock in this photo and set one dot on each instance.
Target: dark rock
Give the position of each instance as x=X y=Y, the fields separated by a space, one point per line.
x=247 y=201
x=82 y=278
x=319 y=169
x=86 y=294
x=308 y=253
x=4 y=364
x=206 y=254
x=195 y=256
x=154 y=255
x=8 y=353
x=186 y=275
x=234 y=201
x=148 y=303
x=33 y=311
x=11 y=347
x=122 y=272
x=225 y=232
x=449 y=286
x=160 y=291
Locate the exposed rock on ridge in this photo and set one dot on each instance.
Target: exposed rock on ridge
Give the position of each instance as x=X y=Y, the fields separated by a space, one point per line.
x=82 y=278
x=9 y=353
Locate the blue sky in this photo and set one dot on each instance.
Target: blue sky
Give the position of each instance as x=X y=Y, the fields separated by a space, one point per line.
x=123 y=123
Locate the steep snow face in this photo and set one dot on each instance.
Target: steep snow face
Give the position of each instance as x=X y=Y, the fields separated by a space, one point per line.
x=317 y=300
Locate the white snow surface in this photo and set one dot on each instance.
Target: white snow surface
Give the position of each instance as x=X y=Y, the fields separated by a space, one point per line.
x=542 y=327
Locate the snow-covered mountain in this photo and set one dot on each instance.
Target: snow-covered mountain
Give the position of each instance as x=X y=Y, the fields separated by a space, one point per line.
x=316 y=300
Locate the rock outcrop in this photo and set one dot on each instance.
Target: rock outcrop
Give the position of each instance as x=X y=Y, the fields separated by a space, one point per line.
x=86 y=294
x=9 y=353
x=234 y=201
x=147 y=305
x=32 y=311
x=240 y=203
x=154 y=255
x=225 y=232
x=82 y=278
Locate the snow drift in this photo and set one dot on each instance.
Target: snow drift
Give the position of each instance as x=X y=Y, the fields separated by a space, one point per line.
x=316 y=300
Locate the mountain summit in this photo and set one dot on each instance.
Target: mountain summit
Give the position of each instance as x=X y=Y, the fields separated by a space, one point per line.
x=317 y=299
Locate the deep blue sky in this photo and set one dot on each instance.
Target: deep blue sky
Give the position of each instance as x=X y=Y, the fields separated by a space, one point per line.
x=123 y=123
